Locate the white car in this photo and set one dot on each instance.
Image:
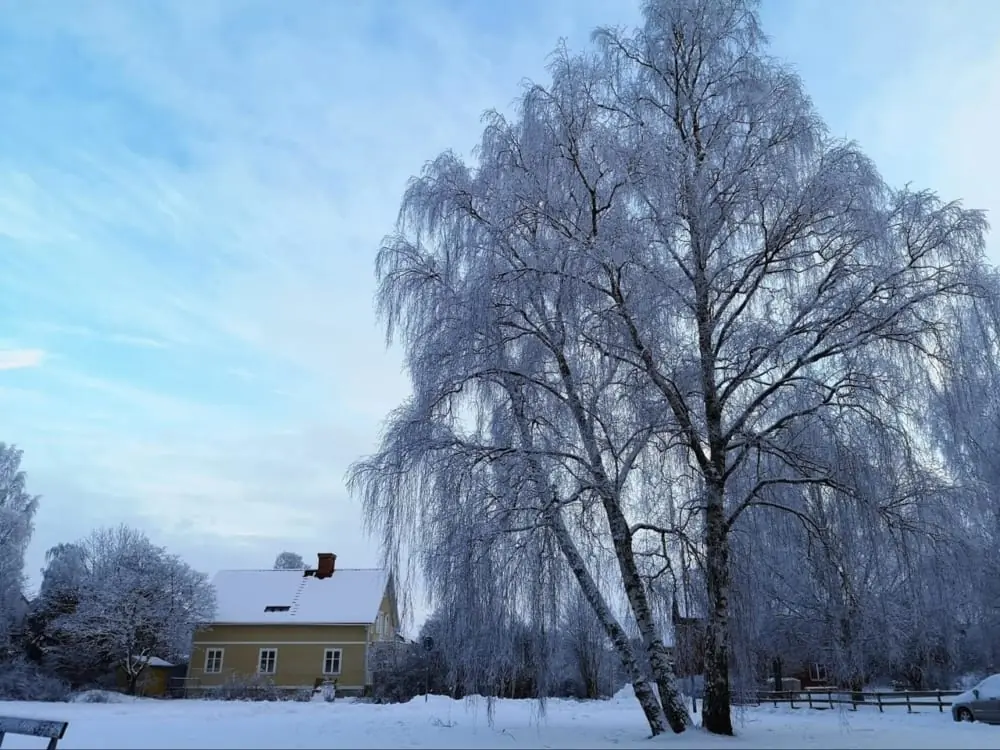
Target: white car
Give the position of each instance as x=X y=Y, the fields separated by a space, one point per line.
x=981 y=703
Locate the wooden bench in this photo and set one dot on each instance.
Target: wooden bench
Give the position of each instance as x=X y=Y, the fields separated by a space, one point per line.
x=53 y=730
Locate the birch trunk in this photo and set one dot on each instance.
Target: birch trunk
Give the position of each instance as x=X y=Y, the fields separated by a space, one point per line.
x=621 y=538
x=635 y=591
x=655 y=712
x=716 y=711
x=651 y=707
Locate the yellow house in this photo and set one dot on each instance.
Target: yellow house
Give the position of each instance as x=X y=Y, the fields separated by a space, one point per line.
x=154 y=680
x=295 y=628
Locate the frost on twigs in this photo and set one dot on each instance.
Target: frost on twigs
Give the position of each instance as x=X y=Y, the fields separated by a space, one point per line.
x=665 y=314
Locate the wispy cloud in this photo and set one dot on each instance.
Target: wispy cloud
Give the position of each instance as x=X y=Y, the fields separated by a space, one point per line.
x=917 y=83
x=193 y=194
x=189 y=210
x=15 y=359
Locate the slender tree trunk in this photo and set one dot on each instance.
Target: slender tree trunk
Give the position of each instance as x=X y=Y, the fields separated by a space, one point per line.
x=716 y=708
x=635 y=591
x=671 y=704
x=651 y=707
x=665 y=675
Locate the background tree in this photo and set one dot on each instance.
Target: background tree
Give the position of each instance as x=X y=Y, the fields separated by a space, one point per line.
x=63 y=579
x=589 y=665
x=17 y=512
x=289 y=561
x=135 y=601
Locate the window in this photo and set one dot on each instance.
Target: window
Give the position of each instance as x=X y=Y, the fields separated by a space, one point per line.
x=213 y=660
x=817 y=672
x=383 y=627
x=331 y=661
x=268 y=661
x=989 y=688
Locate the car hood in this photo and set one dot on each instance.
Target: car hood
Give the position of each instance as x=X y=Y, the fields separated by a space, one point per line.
x=966 y=697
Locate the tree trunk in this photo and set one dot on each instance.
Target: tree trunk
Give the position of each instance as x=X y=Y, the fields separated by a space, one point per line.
x=635 y=591
x=651 y=707
x=666 y=683
x=716 y=709
x=621 y=537
x=656 y=711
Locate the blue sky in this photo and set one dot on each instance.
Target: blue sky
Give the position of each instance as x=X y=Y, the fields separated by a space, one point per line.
x=192 y=194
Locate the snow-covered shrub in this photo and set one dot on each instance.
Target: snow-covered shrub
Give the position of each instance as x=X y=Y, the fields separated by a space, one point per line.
x=402 y=671
x=23 y=681
x=241 y=688
x=101 y=696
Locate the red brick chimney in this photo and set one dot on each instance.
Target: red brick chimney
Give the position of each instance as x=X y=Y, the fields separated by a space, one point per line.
x=326 y=564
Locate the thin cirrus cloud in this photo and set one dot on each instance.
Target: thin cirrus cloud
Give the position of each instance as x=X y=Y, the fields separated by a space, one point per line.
x=15 y=359
x=192 y=198
x=193 y=194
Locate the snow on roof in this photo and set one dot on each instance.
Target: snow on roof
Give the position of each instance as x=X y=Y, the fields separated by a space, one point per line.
x=349 y=596
x=153 y=661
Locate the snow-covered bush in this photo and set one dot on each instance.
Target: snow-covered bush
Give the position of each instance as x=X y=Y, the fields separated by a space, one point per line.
x=101 y=696
x=402 y=671
x=22 y=681
x=241 y=688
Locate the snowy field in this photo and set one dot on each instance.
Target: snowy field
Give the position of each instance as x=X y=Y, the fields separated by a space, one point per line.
x=443 y=723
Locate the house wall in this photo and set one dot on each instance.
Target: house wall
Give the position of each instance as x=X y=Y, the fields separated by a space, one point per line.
x=807 y=674
x=300 y=652
x=152 y=682
x=388 y=609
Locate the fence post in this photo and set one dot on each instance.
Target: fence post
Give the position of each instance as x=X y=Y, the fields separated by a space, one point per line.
x=791 y=700
x=878 y=697
x=909 y=708
x=829 y=696
x=809 y=697
x=940 y=702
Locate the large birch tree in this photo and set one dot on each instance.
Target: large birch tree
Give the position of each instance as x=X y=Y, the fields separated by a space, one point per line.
x=767 y=259
x=663 y=260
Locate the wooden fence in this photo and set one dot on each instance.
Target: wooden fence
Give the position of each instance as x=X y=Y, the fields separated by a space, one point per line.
x=829 y=698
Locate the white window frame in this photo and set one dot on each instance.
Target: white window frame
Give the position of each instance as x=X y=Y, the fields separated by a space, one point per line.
x=274 y=661
x=328 y=655
x=209 y=652
x=818 y=672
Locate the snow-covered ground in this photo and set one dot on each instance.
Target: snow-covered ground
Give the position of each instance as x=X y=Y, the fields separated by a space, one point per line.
x=443 y=723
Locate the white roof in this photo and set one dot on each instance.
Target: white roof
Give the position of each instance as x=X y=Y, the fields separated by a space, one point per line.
x=154 y=661
x=349 y=596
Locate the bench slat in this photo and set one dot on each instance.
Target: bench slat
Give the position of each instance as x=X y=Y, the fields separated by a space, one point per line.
x=33 y=727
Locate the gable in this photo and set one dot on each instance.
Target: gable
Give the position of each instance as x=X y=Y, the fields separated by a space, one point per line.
x=262 y=597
